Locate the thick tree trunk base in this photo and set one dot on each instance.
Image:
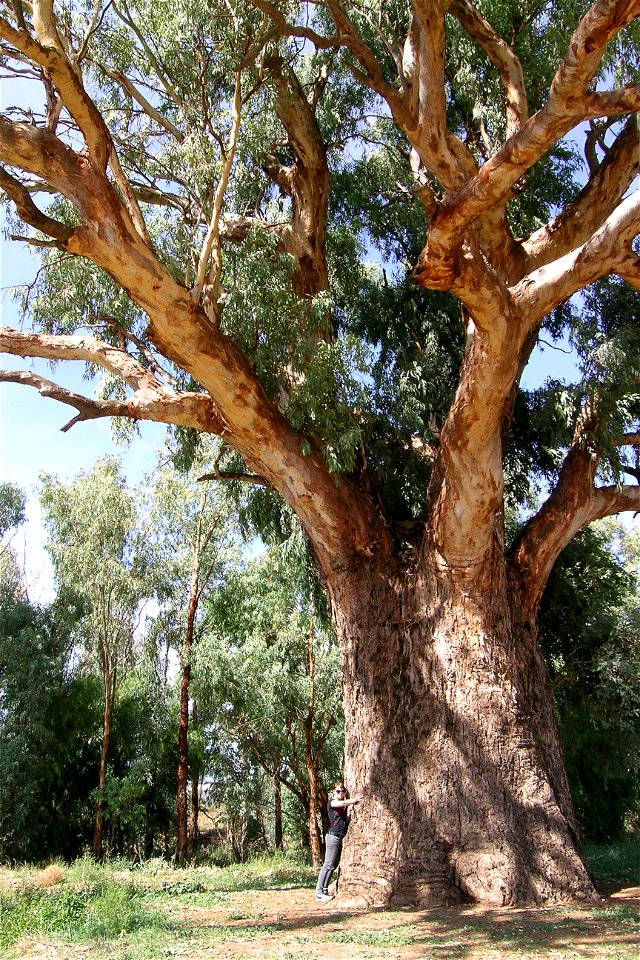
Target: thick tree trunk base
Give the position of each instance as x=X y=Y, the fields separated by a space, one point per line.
x=450 y=736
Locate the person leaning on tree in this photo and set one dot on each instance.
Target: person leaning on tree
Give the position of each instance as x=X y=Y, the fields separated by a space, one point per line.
x=337 y=808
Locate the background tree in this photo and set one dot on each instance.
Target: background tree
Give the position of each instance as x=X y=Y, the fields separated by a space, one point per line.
x=49 y=722
x=214 y=199
x=12 y=513
x=90 y=524
x=271 y=666
x=589 y=631
x=192 y=549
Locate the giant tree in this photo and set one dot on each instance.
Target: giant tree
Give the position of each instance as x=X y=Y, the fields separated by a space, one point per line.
x=222 y=182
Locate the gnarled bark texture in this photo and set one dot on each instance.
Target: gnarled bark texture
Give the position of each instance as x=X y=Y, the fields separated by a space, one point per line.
x=450 y=735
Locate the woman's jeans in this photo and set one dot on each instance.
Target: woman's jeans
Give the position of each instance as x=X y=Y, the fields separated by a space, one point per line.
x=333 y=850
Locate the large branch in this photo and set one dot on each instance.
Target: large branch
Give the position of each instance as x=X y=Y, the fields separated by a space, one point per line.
x=503 y=58
x=48 y=53
x=38 y=151
x=568 y=103
x=607 y=251
x=574 y=502
x=628 y=267
x=194 y=410
x=307 y=182
x=30 y=213
x=595 y=202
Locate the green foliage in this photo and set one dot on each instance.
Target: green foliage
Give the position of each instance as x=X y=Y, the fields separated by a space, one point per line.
x=263 y=661
x=590 y=633
x=12 y=507
x=49 y=721
x=91 y=540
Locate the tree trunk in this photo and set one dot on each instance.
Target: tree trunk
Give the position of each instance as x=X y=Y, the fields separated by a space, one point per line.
x=182 y=838
x=451 y=738
x=277 y=813
x=193 y=831
x=183 y=765
x=311 y=760
x=107 y=713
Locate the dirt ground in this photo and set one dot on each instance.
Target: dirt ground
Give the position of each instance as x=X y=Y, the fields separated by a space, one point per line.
x=291 y=924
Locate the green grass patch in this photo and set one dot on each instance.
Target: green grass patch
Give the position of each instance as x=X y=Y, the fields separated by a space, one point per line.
x=264 y=873
x=98 y=912
x=374 y=938
x=623 y=915
x=615 y=862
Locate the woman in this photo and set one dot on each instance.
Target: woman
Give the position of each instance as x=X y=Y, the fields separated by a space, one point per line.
x=338 y=824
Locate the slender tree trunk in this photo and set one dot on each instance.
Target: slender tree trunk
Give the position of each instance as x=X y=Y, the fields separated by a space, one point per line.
x=194 y=832
x=310 y=759
x=183 y=730
x=450 y=736
x=277 y=812
x=107 y=714
x=183 y=763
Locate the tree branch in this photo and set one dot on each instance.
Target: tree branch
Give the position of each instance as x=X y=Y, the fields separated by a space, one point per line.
x=184 y=410
x=568 y=103
x=211 y=246
x=148 y=108
x=152 y=400
x=29 y=212
x=628 y=267
x=48 y=53
x=239 y=477
x=503 y=58
x=629 y=439
x=607 y=251
x=573 y=503
x=595 y=202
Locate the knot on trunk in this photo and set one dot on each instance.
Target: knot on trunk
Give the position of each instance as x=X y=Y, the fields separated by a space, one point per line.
x=487 y=875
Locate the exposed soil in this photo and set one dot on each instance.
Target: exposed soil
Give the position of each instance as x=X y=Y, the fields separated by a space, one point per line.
x=290 y=923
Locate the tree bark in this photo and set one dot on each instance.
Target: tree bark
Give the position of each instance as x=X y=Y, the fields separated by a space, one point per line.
x=183 y=763
x=182 y=838
x=450 y=736
x=311 y=758
x=107 y=713
x=193 y=838
x=277 y=813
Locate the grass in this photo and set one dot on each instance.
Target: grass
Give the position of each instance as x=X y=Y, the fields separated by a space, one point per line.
x=616 y=863
x=265 y=908
x=100 y=911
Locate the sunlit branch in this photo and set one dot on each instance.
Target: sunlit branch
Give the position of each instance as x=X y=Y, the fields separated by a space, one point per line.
x=211 y=247
x=166 y=406
x=595 y=202
x=567 y=104
x=142 y=101
x=48 y=52
x=502 y=57
x=607 y=251
x=123 y=12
